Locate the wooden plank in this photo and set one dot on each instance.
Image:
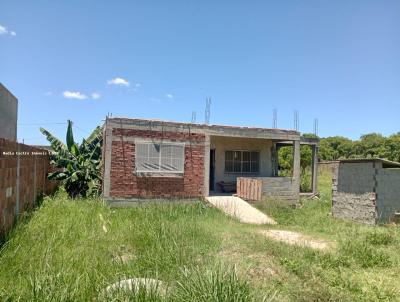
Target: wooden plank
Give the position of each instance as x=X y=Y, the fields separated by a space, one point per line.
x=252 y=189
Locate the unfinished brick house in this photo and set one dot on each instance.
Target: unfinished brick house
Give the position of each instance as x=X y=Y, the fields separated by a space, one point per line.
x=157 y=159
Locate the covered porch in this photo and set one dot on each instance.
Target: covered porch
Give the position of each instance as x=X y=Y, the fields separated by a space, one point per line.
x=249 y=167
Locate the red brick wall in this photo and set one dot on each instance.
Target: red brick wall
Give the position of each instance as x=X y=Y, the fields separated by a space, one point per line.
x=124 y=183
x=32 y=181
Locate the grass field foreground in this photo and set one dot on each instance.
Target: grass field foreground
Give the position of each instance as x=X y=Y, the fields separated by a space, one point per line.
x=71 y=250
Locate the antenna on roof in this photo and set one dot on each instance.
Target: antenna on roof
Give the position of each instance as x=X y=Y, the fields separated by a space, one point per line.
x=193 y=117
x=207 y=112
x=296 y=120
x=275 y=118
x=316 y=126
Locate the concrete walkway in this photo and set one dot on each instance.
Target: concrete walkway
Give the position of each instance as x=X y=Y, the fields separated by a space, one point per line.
x=240 y=209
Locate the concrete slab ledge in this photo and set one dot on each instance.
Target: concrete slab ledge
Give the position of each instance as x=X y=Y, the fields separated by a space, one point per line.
x=138 y=202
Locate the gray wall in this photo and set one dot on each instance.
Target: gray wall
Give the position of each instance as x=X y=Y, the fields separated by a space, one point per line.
x=356 y=178
x=353 y=194
x=8 y=114
x=388 y=193
x=282 y=188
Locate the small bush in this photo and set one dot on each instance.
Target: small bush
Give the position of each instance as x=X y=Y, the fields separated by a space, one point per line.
x=333 y=261
x=365 y=256
x=199 y=285
x=294 y=266
x=377 y=238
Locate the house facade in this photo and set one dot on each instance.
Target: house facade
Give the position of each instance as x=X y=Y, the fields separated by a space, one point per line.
x=160 y=159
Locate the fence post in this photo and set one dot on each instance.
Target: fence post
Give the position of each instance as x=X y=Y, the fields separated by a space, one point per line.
x=34 y=183
x=16 y=210
x=44 y=177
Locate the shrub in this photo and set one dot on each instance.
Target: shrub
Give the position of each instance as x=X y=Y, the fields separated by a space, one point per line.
x=204 y=285
x=379 y=238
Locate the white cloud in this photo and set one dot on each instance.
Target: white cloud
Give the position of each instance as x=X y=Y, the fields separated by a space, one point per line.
x=5 y=31
x=95 y=95
x=118 y=81
x=169 y=95
x=47 y=93
x=74 y=95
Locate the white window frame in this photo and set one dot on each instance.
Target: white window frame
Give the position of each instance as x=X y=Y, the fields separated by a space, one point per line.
x=160 y=170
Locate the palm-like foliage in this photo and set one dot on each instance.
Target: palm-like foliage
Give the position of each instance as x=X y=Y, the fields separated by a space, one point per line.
x=78 y=166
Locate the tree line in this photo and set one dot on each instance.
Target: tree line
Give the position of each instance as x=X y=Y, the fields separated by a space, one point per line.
x=368 y=146
x=372 y=145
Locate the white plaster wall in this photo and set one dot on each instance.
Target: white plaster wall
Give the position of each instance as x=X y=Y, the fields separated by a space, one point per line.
x=222 y=144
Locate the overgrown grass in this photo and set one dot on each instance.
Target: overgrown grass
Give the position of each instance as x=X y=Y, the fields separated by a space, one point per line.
x=72 y=250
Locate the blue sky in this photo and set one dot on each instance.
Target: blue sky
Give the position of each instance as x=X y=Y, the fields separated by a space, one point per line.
x=338 y=61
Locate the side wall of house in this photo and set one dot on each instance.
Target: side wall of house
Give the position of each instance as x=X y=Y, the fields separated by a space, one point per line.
x=388 y=193
x=8 y=114
x=353 y=192
x=222 y=144
x=124 y=183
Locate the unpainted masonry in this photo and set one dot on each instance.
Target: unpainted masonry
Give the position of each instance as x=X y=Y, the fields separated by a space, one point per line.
x=366 y=192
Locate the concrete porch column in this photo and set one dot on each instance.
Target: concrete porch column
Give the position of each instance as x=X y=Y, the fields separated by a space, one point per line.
x=296 y=167
x=314 y=168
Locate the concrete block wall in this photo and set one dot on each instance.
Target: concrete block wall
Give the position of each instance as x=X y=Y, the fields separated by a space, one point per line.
x=126 y=184
x=353 y=192
x=356 y=207
x=388 y=194
x=23 y=177
x=366 y=192
x=282 y=188
x=327 y=167
x=356 y=178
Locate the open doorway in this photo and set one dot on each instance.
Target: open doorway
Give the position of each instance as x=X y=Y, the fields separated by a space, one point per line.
x=212 y=170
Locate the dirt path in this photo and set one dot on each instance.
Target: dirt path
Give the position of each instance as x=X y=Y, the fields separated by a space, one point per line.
x=294 y=238
x=240 y=209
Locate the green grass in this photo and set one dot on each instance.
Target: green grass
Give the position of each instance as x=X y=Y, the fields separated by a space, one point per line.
x=71 y=250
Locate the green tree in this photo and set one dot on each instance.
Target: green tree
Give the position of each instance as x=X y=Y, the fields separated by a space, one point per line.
x=335 y=147
x=78 y=166
x=370 y=145
x=392 y=147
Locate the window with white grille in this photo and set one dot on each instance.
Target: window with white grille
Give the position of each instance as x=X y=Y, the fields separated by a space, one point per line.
x=242 y=161
x=162 y=157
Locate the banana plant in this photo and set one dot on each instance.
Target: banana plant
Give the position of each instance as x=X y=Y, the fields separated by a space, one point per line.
x=78 y=167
